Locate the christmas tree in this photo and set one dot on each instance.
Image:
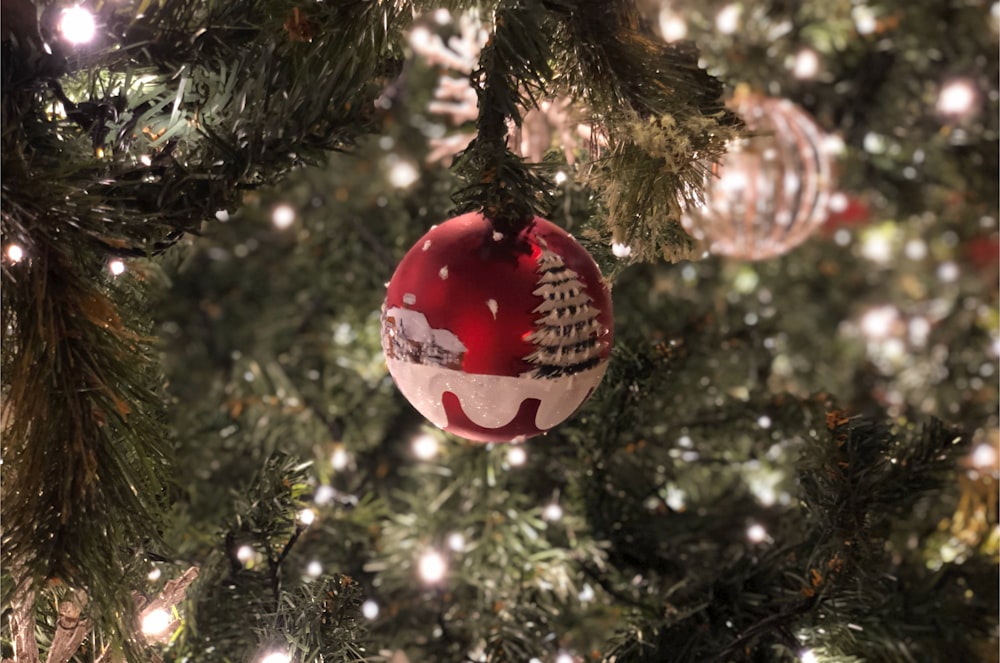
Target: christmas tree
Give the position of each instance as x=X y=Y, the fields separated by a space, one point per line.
x=567 y=334
x=792 y=458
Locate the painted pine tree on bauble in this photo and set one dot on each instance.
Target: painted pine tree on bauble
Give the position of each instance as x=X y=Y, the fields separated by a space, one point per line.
x=567 y=335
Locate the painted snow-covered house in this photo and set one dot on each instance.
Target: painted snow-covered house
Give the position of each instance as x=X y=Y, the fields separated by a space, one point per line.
x=408 y=336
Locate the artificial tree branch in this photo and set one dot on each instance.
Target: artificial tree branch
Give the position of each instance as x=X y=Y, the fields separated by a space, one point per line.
x=71 y=628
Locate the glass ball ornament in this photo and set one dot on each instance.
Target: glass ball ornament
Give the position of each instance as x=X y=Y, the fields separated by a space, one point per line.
x=771 y=189
x=497 y=336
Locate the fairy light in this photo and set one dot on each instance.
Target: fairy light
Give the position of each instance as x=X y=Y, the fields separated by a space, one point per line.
x=586 y=594
x=807 y=656
x=156 y=621
x=878 y=322
x=421 y=37
x=369 y=609
x=425 y=446
x=283 y=216
x=432 y=567
x=864 y=20
x=307 y=517
x=15 y=253
x=948 y=272
x=957 y=98
x=621 y=250
x=560 y=177
x=564 y=657
x=146 y=160
x=324 y=494
x=877 y=247
x=984 y=456
x=806 y=64
x=728 y=19
x=402 y=174
x=672 y=27
x=244 y=554
x=155 y=574
x=340 y=459
x=77 y=25
x=552 y=512
x=756 y=533
x=314 y=569
x=276 y=657
x=456 y=542
x=517 y=456
x=117 y=267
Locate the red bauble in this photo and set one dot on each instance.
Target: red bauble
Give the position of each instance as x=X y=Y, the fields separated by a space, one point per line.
x=495 y=337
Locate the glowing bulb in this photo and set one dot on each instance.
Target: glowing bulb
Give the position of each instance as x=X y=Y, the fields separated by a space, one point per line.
x=877 y=247
x=864 y=20
x=560 y=177
x=756 y=533
x=564 y=657
x=425 y=446
x=369 y=609
x=307 y=517
x=324 y=495
x=956 y=98
x=947 y=272
x=672 y=27
x=283 y=216
x=156 y=622
x=621 y=250
x=552 y=512
x=244 y=554
x=984 y=456
x=340 y=459
x=276 y=657
x=146 y=160
x=586 y=594
x=314 y=569
x=402 y=174
x=117 y=267
x=764 y=421
x=915 y=249
x=878 y=322
x=728 y=19
x=806 y=64
x=15 y=253
x=155 y=574
x=432 y=567
x=421 y=38
x=77 y=25
x=517 y=456
x=808 y=657
x=456 y=542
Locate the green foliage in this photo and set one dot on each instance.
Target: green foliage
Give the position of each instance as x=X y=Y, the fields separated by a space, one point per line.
x=705 y=429
x=245 y=585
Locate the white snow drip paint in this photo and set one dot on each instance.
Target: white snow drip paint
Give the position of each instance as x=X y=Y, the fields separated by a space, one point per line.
x=443 y=272
x=427 y=245
x=492 y=401
x=494 y=307
x=409 y=298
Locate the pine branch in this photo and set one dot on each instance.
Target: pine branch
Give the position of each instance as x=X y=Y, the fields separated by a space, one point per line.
x=513 y=71
x=82 y=434
x=662 y=115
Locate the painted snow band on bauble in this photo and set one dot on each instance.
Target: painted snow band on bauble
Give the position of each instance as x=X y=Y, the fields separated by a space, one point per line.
x=496 y=338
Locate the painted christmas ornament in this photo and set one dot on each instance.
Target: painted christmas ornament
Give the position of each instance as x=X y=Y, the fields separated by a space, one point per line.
x=495 y=337
x=771 y=190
